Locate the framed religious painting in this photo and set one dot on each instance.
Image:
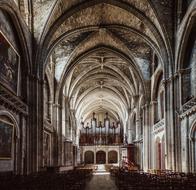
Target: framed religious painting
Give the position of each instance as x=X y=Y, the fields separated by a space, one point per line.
x=6 y=139
x=9 y=65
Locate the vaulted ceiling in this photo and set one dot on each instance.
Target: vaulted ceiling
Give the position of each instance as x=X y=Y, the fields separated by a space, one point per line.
x=102 y=51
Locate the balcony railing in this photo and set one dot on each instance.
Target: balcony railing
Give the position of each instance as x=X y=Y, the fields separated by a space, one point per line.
x=158 y=127
x=188 y=105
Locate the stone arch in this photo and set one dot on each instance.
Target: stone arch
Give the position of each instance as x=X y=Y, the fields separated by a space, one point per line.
x=13 y=119
x=192 y=131
x=185 y=28
x=9 y=121
x=48 y=33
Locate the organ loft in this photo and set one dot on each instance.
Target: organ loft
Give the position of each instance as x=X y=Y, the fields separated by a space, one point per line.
x=97 y=94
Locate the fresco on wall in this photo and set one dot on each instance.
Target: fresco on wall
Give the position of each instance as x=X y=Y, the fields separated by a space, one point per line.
x=9 y=64
x=6 y=137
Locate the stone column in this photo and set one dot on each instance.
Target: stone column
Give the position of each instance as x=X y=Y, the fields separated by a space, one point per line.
x=153 y=111
x=138 y=127
x=146 y=140
x=185 y=144
x=129 y=130
x=177 y=82
x=137 y=119
x=35 y=130
x=95 y=156
x=106 y=152
x=169 y=125
x=23 y=147
x=57 y=135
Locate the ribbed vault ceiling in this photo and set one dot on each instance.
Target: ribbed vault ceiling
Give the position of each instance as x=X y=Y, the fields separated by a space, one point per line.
x=102 y=52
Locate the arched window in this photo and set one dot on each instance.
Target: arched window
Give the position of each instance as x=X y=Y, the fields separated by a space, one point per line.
x=112 y=157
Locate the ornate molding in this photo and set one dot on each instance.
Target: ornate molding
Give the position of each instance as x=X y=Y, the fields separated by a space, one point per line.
x=159 y=127
x=12 y=102
x=188 y=108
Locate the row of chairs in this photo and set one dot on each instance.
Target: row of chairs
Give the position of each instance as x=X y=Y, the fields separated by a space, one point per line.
x=71 y=180
x=128 y=180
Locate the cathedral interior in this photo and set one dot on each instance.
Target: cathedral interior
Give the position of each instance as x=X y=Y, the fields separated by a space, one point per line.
x=97 y=94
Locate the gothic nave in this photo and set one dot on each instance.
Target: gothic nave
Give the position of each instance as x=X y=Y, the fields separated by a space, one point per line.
x=97 y=94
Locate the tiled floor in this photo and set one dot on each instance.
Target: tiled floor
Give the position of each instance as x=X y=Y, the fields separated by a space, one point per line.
x=101 y=182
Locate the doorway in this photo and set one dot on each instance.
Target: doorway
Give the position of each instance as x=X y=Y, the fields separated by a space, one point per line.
x=100 y=157
x=89 y=157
